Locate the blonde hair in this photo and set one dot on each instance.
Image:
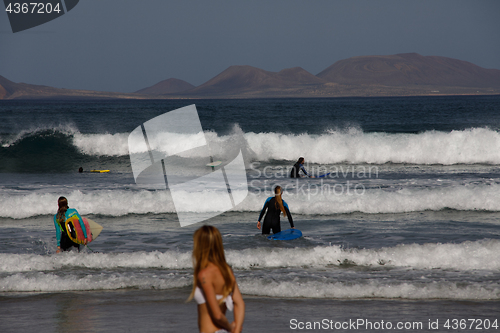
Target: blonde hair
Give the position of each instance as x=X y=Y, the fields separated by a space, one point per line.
x=279 y=201
x=208 y=248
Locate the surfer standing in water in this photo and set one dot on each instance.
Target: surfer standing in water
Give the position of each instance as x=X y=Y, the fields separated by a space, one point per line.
x=64 y=243
x=297 y=167
x=214 y=288
x=274 y=206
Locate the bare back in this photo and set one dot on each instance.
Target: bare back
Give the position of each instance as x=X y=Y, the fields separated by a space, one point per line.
x=211 y=281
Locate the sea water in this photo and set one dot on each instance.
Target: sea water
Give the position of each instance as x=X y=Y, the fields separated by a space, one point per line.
x=404 y=228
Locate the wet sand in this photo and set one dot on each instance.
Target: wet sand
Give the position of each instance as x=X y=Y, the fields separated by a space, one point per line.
x=167 y=311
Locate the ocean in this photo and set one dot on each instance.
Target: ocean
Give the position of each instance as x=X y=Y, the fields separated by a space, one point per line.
x=402 y=234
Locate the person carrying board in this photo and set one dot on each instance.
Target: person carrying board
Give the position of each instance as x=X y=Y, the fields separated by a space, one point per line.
x=297 y=167
x=274 y=206
x=64 y=243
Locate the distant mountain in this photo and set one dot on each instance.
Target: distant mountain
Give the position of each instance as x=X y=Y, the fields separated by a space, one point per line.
x=7 y=88
x=408 y=74
x=12 y=90
x=169 y=86
x=410 y=69
x=248 y=80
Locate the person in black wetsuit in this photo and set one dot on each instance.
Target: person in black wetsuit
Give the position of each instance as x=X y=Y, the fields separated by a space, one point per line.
x=299 y=165
x=274 y=206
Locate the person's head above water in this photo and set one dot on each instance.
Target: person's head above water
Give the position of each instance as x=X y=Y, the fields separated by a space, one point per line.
x=301 y=160
x=278 y=190
x=62 y=202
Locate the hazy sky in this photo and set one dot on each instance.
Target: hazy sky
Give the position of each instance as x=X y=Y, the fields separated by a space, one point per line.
x=126 y=45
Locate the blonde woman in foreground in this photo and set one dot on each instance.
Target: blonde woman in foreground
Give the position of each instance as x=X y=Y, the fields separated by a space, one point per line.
x=214 y=288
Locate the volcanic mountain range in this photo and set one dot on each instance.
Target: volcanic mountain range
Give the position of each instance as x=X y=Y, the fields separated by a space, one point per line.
x=408 y=74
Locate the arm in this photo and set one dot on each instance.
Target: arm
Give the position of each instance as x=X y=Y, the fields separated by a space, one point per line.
x=264 y=208
x=304 y=170
x=266 y=204
x=290 y=219
x=205 y=280
x=58 y=233
x=239 y=309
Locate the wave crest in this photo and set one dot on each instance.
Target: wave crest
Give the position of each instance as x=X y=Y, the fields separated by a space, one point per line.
x=470 y=146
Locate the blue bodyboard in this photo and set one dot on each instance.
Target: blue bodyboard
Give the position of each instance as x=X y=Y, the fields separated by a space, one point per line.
x=326 y=174
x=286 y=235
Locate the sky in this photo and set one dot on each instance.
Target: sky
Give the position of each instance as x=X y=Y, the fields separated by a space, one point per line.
x=127 y=45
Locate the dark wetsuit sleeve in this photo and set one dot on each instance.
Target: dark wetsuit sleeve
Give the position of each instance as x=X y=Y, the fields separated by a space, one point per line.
x=295 y=172
x=304 y=170
x=290 y=219
x=266 y=204
x=58 y=230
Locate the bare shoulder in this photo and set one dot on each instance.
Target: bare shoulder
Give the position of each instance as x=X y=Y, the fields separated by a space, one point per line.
x=208 y=273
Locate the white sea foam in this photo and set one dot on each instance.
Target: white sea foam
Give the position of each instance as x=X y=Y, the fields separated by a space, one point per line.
x=372 y=289
x=50 y=282
x=316 y=201
x=259 y=271
x=478 y=255
x=32 y=262
x=102 y=144
x=375 y=288
x=106 y=202
x=466 y=256
x=476 y=145
x=311 y=199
